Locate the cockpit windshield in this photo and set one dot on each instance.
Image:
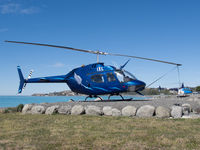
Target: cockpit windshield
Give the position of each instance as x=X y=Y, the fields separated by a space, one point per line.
x=124 y=76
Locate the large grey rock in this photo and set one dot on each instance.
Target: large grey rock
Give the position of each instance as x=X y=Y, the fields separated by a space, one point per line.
x=193 y=116
x=145 y=111
x=97 y=99
x=162 y=112
x=93 y=110
x=77 y=110
x=116 y=112
x=38 y=109
x=66 y=110
x=51 y=110
x=107 y=111
x=129 y=111
x=186 y=109
x=27 y=108
x=176 y=111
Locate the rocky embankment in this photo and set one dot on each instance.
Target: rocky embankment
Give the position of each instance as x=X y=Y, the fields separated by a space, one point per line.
x=161 y=107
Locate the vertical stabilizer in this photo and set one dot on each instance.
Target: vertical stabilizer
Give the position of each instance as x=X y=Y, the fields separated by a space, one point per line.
x=21 y=84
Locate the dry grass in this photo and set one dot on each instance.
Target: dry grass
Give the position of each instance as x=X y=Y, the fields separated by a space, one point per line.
x=19 y=131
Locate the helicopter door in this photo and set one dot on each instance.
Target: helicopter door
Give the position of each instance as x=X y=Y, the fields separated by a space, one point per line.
x=111 y=77
x=112 y=82
x=97 y=80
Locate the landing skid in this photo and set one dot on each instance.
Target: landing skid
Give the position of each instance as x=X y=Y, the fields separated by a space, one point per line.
x=111 y=100
x=101 y=99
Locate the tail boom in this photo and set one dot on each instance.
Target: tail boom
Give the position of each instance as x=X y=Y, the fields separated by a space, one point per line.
x=50 y=79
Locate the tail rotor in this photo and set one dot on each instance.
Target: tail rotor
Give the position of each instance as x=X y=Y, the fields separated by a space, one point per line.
x=29 y=76
x=23 y=81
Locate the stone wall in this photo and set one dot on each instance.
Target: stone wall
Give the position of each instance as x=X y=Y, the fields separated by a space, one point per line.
x=176 y=111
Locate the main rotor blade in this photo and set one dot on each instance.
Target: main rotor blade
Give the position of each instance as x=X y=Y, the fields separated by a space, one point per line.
x=93 y=52
x=64 y=47
x=161 y=61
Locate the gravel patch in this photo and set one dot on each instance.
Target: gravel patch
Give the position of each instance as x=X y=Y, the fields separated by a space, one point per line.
x=167 y=101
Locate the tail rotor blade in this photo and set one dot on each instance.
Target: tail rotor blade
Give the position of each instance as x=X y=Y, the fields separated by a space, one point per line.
x=29 y=76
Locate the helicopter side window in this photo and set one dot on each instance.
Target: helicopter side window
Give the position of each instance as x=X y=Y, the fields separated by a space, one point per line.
x=110 y=77
x=97 y=78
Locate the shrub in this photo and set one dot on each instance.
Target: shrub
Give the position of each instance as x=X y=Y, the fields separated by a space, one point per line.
x=10 y=110
x=20 y=107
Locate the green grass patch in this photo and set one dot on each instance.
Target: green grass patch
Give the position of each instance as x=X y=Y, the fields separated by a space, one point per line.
x=19 y=131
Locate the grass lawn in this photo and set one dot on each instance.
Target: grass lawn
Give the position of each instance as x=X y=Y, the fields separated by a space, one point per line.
x=19 y=131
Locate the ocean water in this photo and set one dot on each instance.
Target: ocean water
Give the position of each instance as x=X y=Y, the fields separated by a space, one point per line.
x=13 y=101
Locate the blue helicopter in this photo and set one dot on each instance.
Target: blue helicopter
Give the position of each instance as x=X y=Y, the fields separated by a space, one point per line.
x=93 y=79
x=184 y=91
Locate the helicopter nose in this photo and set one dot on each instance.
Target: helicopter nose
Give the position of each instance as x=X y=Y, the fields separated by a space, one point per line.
x=136 y=85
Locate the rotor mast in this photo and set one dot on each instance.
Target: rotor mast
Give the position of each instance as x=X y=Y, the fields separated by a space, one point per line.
x=97 y=52
x=97 y=57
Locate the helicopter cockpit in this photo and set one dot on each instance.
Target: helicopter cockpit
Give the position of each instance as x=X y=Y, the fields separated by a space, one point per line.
x=124 y=76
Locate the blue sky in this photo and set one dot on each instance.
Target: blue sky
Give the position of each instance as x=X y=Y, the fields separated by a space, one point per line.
x=167 y=30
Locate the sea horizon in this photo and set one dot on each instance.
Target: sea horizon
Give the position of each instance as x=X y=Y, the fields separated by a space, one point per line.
x=15 y=100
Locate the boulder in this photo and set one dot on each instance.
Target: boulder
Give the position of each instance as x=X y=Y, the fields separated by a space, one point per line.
x=186 y=109
x=116 y=112
x=193 y=116
x=107 y=110
x=129 y=111
x=66 y=110
x=176 y=111
x=38 y=109
x=97 y=99
x=77 y=110
x=27 y=108
x=145 y=111
x=93 y=110
x=52 y=110
x=162 y=112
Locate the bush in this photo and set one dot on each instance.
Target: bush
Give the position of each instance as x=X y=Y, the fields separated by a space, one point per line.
x=10 y=110
x=20 y=107
x=14 y=109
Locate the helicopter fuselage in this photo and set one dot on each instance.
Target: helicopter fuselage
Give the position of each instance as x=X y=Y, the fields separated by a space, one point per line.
x=93 y=79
